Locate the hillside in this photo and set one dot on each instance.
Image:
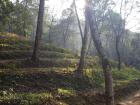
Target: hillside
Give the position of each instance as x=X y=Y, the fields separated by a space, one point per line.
x=52 y=82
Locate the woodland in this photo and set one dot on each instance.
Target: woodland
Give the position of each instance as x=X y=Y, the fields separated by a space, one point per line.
x=69 y=52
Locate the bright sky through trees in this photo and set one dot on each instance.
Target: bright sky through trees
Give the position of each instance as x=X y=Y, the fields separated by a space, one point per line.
x=57 y=6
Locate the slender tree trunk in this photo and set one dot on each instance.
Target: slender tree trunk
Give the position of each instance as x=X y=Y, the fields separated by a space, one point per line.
x=118 y=52
x=39 y=31
x=24 y=24
x=50 y=30
x=50 y=36
x=64 y=39
x=79 y=24
x=65 y=32
x=10 y=26
x=80 y=68
x=118 y=33
x=109 y=92
x=89 y=46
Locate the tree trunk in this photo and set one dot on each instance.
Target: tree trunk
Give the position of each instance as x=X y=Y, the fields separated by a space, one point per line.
x=118 y=32
x=24 y=24
x=109 y=92
x=89 y=46
x=65 y=32
x=50 y=30
x=38 y=31
x=80 y=68
x=79 y=24
x=10 y=26
x=118 y=52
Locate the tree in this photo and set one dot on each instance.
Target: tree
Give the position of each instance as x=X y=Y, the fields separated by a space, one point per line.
x=90 y=17
x=50 y=29
x=38 y=31
x=6 y=7
x=118 y=23
x=84 y=38
x=68 y=19
x=24 y=24
x=80 y=68
x=21 y=19
x=79 y=24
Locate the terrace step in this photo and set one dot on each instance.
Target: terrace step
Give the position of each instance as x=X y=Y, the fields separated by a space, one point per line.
x=18 y=54
x=53 y=62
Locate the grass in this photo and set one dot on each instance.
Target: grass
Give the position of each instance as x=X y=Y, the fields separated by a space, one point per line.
x=46 y=62
x=62 y=77
x=52 y=82
x=66 y=92
x=63 y=97
x=24 y=98
x=40 y=87
x=126 y=74
x=55 y=86
x=10 y=41
x=27 y=54
x=121 y=77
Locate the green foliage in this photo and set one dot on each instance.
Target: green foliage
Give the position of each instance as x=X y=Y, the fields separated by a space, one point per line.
x=12 y=67
x=95 y=77
x=24 y=98
x=10 y=41
x=66 y=92
x=22 y=24
x=60 y=80
x=6 y=7
x=18 y=18
x=10 y=38
x=126 y=73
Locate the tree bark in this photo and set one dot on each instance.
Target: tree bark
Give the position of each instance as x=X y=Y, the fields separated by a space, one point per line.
x=50 y=30
x=117 y=40
x=24 y=24
x=38 y=31
x=65 y=34
x=80 y=68
x=79 y=24
x=118 y=52
x=109 y=92
x=89 y=46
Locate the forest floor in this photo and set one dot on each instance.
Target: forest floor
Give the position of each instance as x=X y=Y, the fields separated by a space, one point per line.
x=133 y=99
x=52 y=81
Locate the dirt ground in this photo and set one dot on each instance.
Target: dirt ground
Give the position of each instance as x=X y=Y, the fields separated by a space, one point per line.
x=133 y=100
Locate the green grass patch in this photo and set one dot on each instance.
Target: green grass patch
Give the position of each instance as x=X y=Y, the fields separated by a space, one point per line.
x=66 y=91
x=12 y=97
x=126 y=74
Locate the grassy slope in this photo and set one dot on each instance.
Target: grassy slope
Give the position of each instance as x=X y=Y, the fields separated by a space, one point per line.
x=51 y=83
